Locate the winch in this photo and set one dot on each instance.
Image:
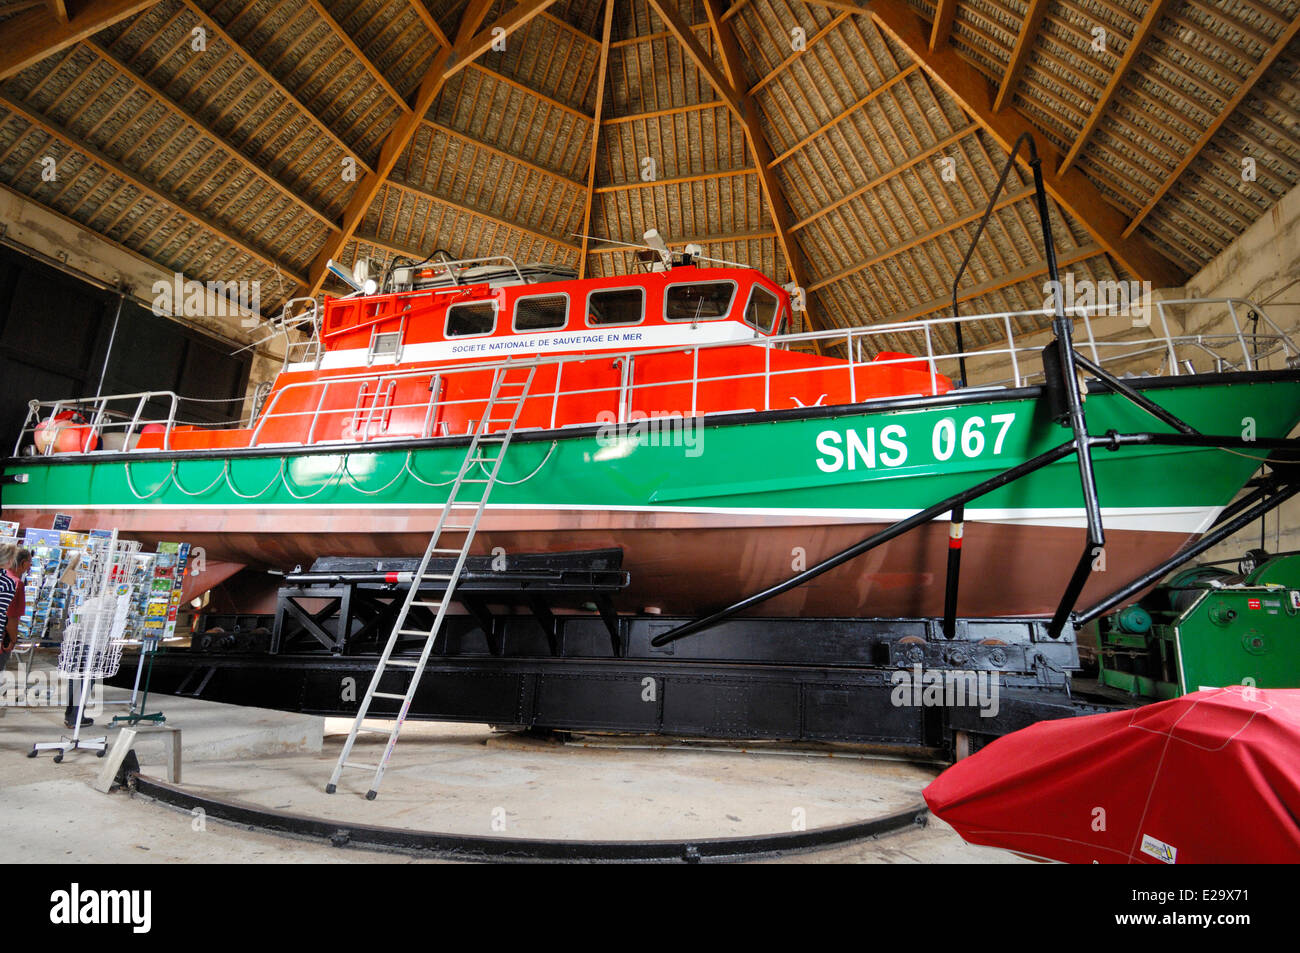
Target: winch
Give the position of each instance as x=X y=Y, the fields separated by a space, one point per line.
x=1208 y=627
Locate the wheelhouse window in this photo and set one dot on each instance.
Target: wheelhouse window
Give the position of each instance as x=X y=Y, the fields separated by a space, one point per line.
x=699 y=301
x=616 y=306
x=463 y=320
x=761 y=310
x=541 y=313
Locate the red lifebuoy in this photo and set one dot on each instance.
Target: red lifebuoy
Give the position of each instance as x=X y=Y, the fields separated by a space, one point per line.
x=65 y=432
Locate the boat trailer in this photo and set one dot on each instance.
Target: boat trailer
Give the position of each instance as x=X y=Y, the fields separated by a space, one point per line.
x=540 y=647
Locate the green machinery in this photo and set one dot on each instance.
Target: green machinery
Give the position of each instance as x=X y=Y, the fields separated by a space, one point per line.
x=1207 y=627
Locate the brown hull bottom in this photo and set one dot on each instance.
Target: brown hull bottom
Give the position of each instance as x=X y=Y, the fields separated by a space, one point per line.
x=686 y=563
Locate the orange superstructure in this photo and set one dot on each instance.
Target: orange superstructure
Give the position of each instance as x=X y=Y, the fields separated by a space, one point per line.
x=689 y=340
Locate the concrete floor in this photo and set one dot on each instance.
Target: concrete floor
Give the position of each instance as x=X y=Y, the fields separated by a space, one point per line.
x=454 y=778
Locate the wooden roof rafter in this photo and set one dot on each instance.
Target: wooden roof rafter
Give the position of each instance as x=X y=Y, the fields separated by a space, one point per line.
x=1229 y=107
x=1072 y=190
x=1020 y=55
x=729 y=81
x=941 y=29
x=338 y=30
x=31 y=36
x=468 y=45
x=250 y=61
x=74 y=143
x=159 y=96
x=425 y=195
x=812 y=42
x=602 y=81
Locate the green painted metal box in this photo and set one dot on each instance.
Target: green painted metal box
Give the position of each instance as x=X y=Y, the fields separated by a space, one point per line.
x=1207 y=629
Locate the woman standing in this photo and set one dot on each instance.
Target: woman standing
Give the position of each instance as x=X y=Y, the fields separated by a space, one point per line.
x=10 y=588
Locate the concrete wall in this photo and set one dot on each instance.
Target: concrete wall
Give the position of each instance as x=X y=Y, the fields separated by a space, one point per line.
x=1264 y=266
x=65 y=243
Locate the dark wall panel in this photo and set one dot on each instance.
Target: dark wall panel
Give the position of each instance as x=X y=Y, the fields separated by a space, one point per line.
x=54 y=334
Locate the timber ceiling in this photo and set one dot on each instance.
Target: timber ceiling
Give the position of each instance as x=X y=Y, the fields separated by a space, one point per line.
x=856 y=164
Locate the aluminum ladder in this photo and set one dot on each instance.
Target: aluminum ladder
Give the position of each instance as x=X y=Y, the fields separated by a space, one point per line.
x=505 y=393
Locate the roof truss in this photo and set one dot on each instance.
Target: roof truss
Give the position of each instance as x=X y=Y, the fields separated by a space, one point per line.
x=34 y=34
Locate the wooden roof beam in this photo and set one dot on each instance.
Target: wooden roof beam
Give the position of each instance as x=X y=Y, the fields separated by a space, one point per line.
x=848 y=6
x=729 y=85
x=1028 y=273
x=229 y=147
x=677 y=180
x=1144 y=30
x=72 y=142
x=601 y=68
x=1020 y=54
x=337 y=29
x=698 y=55
x=446 y=63
x=1243 y=90
x=251 y=62
x=1009 y=199
x=419 y=193
x=1071 y=190
x=706 y=240
x=429 y=22
x=941 y=29
x=558 y=177
x=34 y=34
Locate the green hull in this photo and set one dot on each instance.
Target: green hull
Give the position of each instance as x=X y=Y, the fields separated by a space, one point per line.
x=566 y=489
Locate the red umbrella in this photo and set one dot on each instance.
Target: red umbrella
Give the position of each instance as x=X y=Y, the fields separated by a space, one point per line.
x=1212 y=777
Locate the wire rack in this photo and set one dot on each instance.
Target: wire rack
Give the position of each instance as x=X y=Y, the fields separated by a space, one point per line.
x=94 y=638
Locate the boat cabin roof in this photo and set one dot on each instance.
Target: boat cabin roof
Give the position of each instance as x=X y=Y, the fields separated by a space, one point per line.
x=681 y=306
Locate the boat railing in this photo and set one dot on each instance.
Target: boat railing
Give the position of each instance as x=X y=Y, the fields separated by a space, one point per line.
x=455 y=268
x=301 y=314
x=1004 y=350
x=114 y=420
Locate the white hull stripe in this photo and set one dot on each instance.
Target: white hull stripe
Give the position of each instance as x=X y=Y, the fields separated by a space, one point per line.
x=1192 y=520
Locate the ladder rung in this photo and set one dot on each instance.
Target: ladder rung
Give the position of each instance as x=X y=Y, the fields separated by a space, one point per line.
x=478 y=454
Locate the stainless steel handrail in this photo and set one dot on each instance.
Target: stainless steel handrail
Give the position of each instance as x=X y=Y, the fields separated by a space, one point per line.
x=101 y=417
x=918 y=335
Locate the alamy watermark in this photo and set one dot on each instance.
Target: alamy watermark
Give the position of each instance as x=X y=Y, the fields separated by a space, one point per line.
x=652 y=429
x=45 y=689
x=945 y=688
x=1131 y=299
x=84 y=907
x=218 y=299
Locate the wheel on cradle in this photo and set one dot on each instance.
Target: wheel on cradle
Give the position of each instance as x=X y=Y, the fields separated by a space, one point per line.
x=58 y=757
x=101 y=752
x=33 y=753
